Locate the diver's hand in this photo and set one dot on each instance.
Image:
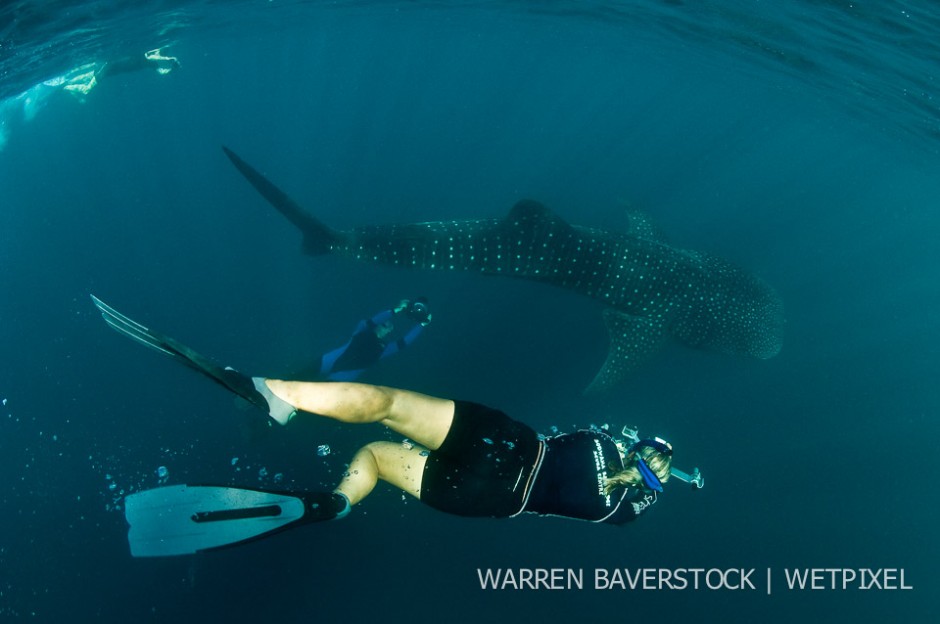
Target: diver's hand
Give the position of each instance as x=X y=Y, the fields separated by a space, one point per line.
x=402 y=306
x=426 y=321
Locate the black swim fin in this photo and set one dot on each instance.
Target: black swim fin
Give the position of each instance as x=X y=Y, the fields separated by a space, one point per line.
x=318 y=238
x=186 y=519
x=230 y=379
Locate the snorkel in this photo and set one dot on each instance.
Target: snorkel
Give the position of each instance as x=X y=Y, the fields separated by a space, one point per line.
x=649 y=477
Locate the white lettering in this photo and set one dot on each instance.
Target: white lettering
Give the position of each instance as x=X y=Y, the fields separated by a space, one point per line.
x=531 y=578
x=798 y=578
x=864 y=579
x=673 y=579
x=679 y=579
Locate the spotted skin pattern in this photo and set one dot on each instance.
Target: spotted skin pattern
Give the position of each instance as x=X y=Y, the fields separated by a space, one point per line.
x=650 y=289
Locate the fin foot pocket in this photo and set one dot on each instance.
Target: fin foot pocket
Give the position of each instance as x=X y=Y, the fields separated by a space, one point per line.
x=276 y=407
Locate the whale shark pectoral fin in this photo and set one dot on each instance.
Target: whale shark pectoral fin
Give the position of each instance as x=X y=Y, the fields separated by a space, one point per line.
x=633 y=340
x=318 y=238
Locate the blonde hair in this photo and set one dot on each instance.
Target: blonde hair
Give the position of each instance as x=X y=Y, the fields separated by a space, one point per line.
x=657 y=462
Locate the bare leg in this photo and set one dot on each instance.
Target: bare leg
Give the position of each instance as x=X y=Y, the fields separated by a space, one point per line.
x=424 y=419
x=400 y=466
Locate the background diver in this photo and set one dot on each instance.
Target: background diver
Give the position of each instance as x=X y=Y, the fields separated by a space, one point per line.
x=375 y=339
x=468 y=460
x=81 y=81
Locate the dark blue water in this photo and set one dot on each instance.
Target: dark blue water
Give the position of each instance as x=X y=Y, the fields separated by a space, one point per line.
x=800 y=143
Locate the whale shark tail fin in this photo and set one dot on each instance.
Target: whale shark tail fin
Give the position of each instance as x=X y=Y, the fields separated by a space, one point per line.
x=633 y=340
x=318 y=238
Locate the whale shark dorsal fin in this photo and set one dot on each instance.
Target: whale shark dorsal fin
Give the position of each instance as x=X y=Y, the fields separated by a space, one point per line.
x=531 y=211
x=641 y=225
x=633 y=340
x=533 y=216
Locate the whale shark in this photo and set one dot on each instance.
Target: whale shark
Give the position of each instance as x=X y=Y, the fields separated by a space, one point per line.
x=650 y=290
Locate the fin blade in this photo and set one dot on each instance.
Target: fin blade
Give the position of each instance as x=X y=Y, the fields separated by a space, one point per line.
x=165 y=521
x=633 y=340
x=130 y=328
x=231 y=380
x=318 y=238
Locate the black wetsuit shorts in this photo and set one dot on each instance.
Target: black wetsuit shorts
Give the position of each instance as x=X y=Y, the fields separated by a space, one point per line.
x=484 y=465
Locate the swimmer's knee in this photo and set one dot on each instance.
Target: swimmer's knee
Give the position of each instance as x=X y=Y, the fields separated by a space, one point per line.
x=376 y=452
x=390 y=458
